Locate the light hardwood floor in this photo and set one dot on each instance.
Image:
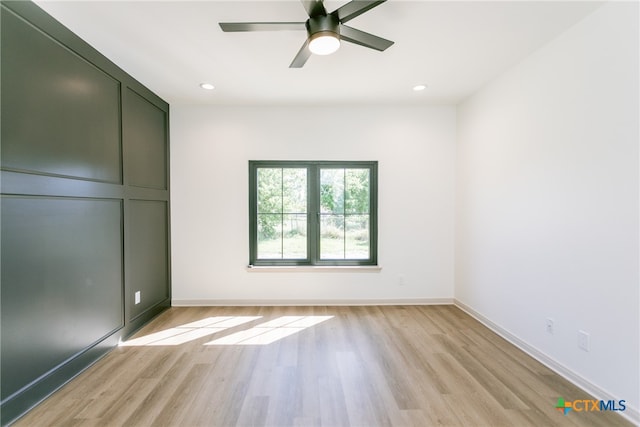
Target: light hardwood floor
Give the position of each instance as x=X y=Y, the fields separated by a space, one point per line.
x=357 y=366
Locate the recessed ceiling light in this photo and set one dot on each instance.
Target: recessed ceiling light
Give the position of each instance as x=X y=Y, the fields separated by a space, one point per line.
x=207 y=86
x=418 y=88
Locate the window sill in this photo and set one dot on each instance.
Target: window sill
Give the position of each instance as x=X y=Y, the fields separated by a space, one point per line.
x=313 y=268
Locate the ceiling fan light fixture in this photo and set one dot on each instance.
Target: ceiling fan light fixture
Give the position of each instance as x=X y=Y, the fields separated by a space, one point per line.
x=324 y=43
x=325 y=31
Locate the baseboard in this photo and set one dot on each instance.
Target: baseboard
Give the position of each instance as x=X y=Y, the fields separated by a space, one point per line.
x=308 y=302
x=632 y=414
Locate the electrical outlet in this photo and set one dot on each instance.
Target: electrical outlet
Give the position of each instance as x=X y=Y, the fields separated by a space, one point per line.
x=583 y=340
x=137 y=297
x=550 y=325
x=401 y=281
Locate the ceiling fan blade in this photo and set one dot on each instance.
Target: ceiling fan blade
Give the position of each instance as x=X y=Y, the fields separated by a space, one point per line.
x=261 y=26
x=355 y=8
x=314 y=8
x=352 y=35
x=301 y=57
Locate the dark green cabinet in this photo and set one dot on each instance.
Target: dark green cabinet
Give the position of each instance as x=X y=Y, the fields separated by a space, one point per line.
x=84 y=206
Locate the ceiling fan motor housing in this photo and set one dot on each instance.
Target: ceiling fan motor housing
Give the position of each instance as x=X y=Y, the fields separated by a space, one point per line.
x=321 y=25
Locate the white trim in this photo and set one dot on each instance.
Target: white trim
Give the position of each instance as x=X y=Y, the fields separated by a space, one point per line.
x=313 y=268
x=307 y=302
x=632 y=414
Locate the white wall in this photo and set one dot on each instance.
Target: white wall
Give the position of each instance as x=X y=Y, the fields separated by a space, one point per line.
x=211 y=147
x=547 y=200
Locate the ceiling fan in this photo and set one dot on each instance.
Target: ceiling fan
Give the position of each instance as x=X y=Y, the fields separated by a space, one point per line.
x=324 y=30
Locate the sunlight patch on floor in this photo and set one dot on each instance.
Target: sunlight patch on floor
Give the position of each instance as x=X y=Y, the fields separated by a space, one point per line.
x=271 y=331
x=190 y=331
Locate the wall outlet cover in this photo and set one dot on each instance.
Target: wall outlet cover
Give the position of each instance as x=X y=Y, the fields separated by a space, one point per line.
x=550 y=325
x=583 y=340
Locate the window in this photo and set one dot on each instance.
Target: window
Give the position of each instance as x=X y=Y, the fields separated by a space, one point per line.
x=312 y=213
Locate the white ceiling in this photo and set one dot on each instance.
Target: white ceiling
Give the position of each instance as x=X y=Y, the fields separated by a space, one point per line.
x=455 y=47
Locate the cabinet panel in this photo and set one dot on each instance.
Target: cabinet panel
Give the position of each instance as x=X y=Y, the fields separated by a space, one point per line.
x=147 y=256
x=145 y=142
x=60 y=114
x=62 y=287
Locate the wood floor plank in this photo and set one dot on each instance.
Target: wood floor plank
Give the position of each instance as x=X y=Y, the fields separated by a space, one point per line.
x=484 y=377
x=332 y=402
x=172 y=374
x=361 y=400
x=355 y=366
